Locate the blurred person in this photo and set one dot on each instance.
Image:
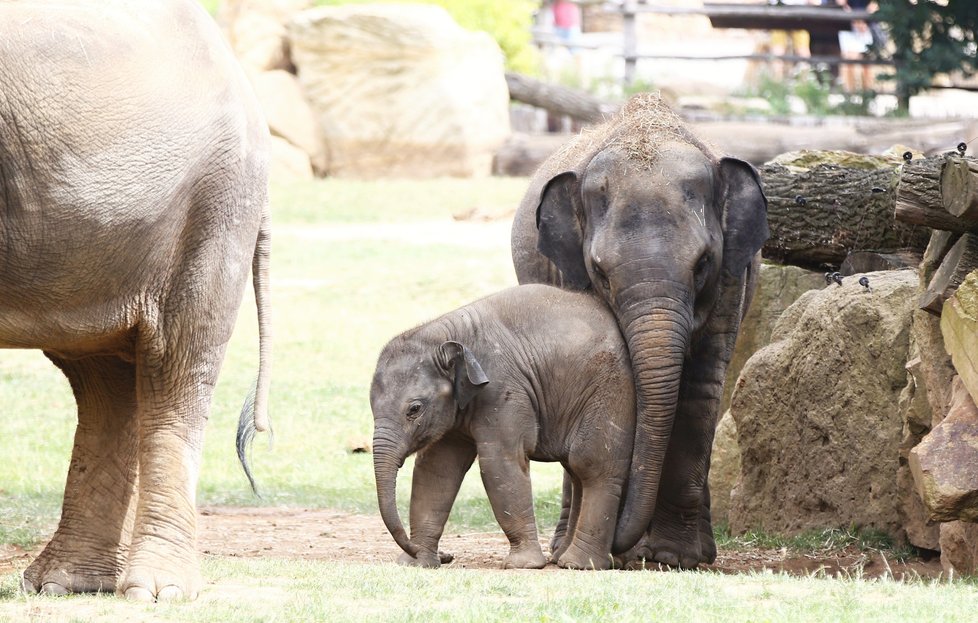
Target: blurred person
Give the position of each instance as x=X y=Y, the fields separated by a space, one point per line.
x=793 y=42
x=853 y=44
x=567 y=20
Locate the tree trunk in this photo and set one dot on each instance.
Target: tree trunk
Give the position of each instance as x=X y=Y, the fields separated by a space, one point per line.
x=559 y=99
x=918 y=197
x=824 y=205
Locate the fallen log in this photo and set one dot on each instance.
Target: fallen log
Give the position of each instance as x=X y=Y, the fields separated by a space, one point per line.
x=822 y=205
x=918 y=197
x=959 y=188
x=558 y=99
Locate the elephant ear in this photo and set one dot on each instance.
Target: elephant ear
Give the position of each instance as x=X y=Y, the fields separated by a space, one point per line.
x=465 y=371
x=561 y=238
x=744 y=215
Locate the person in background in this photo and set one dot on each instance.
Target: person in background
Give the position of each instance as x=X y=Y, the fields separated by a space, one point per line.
x=853 y=44
x=567 y=20
x=793 y=42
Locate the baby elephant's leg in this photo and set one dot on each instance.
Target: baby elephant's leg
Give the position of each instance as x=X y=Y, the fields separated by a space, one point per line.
x=506 y=476
x=602 y=476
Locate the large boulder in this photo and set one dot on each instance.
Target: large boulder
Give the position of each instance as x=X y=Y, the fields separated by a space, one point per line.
x=778 y=286
x=817 y=411
x=256 y=30
x=401 y=90
x=289 y=116
x=289 y=163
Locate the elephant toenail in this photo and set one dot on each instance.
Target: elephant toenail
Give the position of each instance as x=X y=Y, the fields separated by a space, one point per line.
x=170 y=593
x=138 y=593
x=53 y=588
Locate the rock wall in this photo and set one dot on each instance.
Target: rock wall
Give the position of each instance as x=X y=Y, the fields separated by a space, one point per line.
x=818 y=411
x=401 y=90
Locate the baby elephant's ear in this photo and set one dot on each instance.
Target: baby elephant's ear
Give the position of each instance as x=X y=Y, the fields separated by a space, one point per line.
x=466 y=372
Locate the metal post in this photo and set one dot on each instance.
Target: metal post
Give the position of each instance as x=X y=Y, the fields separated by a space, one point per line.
x=629 y=40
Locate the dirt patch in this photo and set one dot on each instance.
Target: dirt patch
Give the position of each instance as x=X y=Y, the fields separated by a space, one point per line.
x=326 y=535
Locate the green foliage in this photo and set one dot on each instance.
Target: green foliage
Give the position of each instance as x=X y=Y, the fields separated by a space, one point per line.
x=507 y=21
x=928 y=38
x=813 y=89
x=210 y=5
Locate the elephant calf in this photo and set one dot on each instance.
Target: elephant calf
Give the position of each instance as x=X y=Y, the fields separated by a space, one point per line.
x=530 y=373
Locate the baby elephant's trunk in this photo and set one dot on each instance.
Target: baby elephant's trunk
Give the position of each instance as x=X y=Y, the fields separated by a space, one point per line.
x=387 y=461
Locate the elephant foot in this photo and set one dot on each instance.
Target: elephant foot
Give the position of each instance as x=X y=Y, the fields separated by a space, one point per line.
x=155 y=578
x=676 y=555
x=708 y=546
x=638 y=558
x=528 y=558
x=425 y=559
x=60 y=571
x=577 y=558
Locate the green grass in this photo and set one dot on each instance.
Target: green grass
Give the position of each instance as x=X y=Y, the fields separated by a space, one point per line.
x=345 y=280
x=242 y=591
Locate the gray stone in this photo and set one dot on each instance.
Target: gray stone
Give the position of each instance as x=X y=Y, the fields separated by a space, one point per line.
x=959 y=548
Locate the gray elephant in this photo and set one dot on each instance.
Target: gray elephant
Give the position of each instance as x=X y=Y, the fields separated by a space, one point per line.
x=133 y=183
x=530 y=373
x=668 y=234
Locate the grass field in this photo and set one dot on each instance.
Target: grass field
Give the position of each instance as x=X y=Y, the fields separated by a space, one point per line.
x=354 y=263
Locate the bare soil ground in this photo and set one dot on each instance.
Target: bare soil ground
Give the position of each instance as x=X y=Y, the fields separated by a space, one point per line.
x=326 y=535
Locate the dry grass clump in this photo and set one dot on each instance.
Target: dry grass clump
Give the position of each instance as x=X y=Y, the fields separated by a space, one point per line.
x=643 y=124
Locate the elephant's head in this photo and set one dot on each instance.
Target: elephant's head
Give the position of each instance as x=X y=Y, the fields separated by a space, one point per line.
x=651 y=235
x=417 y=392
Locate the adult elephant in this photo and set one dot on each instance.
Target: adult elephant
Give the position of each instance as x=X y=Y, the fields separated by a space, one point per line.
x=133 y=200
x=669 y=235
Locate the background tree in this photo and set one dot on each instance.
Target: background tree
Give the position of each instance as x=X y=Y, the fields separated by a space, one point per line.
x=928 y=37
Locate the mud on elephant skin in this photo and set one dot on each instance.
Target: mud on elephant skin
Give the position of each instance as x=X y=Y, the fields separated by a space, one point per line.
x=133 y=200
x=530 y=373
x=668 y=234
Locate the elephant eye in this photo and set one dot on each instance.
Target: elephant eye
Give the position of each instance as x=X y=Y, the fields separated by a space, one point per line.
x=702 y=264
x=414 y=411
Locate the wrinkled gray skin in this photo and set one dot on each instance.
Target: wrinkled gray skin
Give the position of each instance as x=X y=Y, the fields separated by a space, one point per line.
x=133 y=173
x=531 y=373
x=673 y=250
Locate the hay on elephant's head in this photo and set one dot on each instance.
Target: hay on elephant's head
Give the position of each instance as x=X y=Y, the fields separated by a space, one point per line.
x=638 y=129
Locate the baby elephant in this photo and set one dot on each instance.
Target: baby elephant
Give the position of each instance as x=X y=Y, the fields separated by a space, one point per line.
x=530 y=373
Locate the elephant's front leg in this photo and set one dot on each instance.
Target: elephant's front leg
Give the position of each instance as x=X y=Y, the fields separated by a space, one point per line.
x=438 y=473
x=89 y=550
x=506 y=476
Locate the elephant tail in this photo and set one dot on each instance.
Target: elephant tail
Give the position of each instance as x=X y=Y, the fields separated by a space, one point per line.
x=254 y=413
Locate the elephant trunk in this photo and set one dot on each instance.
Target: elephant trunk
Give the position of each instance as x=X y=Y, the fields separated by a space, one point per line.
x=388 y=457
x=657 y=332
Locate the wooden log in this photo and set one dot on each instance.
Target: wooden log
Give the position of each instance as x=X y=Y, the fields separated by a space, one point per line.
x=959 y=261
x=959 y=188
x=824 y=205
x=559 y=99
x=918 y=197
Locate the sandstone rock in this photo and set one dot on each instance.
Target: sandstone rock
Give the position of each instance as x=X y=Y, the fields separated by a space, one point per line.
x=959 y=325
x=817 y=411
x=778 y=286
x=945 y=462
x=401 y=90
x=256 y=30
x=959 y=548
x=916 y=415
x=289 y=163
x=724 y=468
x=289 y=116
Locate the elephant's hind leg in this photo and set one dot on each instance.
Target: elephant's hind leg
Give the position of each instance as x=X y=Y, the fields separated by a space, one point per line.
x=89 y=549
